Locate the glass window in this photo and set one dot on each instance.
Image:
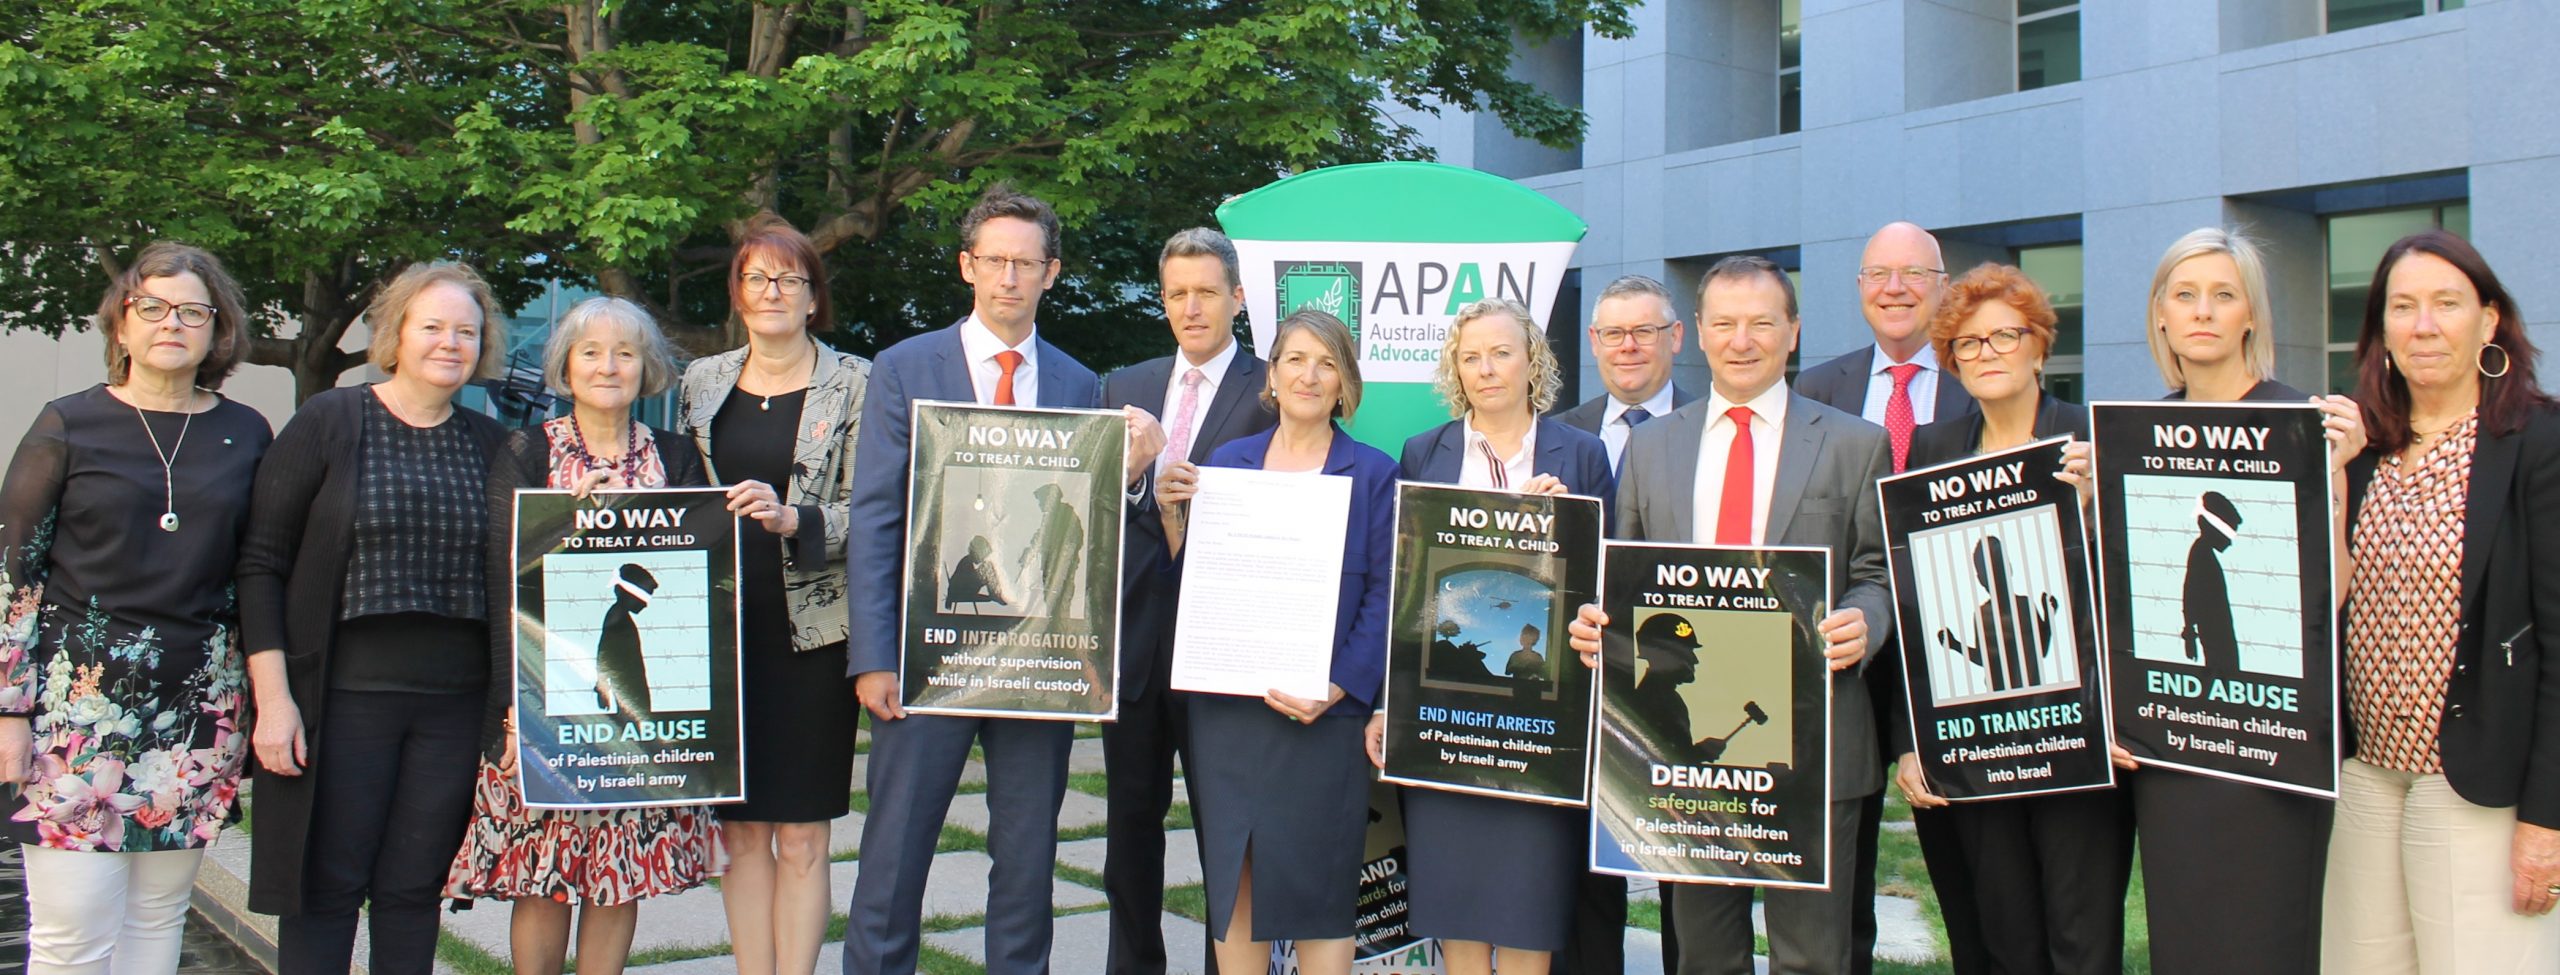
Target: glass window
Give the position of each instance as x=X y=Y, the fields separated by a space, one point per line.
x=1790 y=66
x=2048 y=43
x=2355 y=242
x=2056 y=269
x=2351 y=14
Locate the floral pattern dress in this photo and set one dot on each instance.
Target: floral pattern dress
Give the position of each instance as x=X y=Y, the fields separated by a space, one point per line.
x=120 y=644
x=601 y=857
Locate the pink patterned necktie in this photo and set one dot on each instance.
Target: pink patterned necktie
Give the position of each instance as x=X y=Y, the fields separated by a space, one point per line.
x=1898 y=419
x=1178 y=446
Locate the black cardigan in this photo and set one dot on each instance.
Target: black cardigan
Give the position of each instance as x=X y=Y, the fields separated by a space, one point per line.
x=2500 y=730
x=293 y=566
x=525 y=462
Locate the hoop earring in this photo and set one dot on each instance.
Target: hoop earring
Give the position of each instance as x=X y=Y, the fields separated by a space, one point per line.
x=2506 y=361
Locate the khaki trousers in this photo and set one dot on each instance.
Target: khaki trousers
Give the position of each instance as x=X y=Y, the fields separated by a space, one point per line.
x=2420 y=882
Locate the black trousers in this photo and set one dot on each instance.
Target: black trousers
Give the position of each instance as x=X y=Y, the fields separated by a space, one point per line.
x=2232 y=874
x=2049 y=874
x=391 y=796
x=1137 y=758
x=1599 y=945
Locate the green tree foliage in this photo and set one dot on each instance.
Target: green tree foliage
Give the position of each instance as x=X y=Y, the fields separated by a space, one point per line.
x=319 y=145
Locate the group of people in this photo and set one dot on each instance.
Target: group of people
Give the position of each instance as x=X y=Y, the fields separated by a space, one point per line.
x=324 y=611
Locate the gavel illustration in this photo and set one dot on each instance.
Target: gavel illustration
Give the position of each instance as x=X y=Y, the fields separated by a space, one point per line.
x=1711 y=749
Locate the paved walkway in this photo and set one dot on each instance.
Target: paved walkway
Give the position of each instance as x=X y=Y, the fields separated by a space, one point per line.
x=688 y=934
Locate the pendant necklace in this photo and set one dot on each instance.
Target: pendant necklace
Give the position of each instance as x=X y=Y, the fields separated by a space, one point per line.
x=168 y=467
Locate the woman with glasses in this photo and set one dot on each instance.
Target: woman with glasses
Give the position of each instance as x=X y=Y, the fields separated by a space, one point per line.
x=2049 y=872
x=776 y=418
x=605 y=355
x=1498 y=376
x=365 y=606
x=120 y=671
x=2231 y=871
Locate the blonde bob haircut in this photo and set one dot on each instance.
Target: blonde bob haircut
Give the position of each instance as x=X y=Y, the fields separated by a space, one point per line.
x=388 y=316
x=622 y=321
x=2258 y=346
x=1338 y=343
x=1546 y=378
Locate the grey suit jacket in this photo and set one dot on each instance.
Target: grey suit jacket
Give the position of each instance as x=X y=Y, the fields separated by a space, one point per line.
x=1842 y=385
x=1828 y=464
x=821 y=478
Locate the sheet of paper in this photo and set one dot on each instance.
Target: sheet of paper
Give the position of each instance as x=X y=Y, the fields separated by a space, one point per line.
x=1261 y=577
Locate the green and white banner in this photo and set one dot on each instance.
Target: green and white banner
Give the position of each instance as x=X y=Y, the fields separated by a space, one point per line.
x=1394 y=250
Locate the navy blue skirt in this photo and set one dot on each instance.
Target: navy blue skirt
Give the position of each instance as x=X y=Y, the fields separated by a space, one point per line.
x=1499 y=871
x=1297 y=797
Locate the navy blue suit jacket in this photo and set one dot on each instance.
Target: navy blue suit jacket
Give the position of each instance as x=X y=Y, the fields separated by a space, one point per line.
x=928 y=366
x=1578 y=459
x=1368 y=558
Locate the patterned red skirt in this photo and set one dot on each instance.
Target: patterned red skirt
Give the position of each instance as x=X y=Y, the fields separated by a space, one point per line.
x=599 y=857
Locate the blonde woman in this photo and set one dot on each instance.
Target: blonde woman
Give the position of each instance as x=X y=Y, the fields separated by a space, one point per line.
x=1500 y=379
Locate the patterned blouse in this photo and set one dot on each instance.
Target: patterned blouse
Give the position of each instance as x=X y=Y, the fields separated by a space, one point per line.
x=2407 y=611
x=421 y=522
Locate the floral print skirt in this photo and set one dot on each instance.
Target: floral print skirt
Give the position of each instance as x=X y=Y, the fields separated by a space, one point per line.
x=600 y=857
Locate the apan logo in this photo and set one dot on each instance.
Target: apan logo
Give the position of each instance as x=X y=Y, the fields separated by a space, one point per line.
x=1332 y=287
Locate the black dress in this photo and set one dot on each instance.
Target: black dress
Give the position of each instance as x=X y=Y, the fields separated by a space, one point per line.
x=800 y=706
x=2233 y=872
x=121 y=640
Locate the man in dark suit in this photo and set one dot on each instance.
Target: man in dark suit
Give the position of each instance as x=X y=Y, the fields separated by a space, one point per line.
x=1707 y=474
x=1009 y=256
x=1206 y=394
x=1635 y=335
x=1898 y=384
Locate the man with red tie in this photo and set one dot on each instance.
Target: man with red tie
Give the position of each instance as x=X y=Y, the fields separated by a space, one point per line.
x=1898 y=384
x=1755 y=463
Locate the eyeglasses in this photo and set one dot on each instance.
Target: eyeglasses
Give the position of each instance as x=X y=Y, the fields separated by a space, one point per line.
x=791 y=284
x=2001 y=340
x=992 y=266
x=1610 y=338
x=190 y=314
x=1880 y=274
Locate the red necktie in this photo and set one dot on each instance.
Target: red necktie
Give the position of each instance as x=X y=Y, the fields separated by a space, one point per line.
x=1008 y=359
x=1733 y=513
x=1898 y=418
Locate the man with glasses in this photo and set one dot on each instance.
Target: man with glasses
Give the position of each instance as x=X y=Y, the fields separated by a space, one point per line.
x=995 y=356
x=1635 y=335
x=1898 y=384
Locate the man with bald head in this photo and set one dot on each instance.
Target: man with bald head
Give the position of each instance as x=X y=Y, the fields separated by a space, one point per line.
x=1898 y=384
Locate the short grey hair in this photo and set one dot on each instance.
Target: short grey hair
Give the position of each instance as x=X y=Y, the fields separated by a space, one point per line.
x=630 y=322
x=1637 y=284
x=1204 y=242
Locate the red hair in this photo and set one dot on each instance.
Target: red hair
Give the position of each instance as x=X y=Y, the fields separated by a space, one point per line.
x=1986 y=283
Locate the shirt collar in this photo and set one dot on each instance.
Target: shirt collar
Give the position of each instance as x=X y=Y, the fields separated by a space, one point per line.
x=1926 y=359
x=1655 y=407
x=1770 y=405
x=1212 y=371
x=1528 y=439
x=980 y=343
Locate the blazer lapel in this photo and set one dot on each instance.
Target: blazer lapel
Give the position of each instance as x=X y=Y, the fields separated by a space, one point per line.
x=1053 y=370
x=1241 y=383
x=952 y=371
x=1448 y=454
x=1151 y=376
x=1675 y=482
x=1799 y=448
x=2493 y=473
x=821 y=416
x=1551 y=452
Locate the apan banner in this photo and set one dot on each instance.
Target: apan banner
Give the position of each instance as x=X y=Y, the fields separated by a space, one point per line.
x=1394 y=249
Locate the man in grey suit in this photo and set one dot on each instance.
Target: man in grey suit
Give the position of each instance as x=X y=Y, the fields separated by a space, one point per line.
x=1009 y=256
x=1757 y=464
x=1898 y=384
x=1207 y=392
x=1635 y=335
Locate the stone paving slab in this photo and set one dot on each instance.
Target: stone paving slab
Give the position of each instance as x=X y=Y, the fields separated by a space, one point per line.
x=1181 y=856
x=1086 y=756
x=1083 y=943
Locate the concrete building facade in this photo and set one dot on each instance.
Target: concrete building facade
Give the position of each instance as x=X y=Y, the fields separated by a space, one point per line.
x=2076 y=139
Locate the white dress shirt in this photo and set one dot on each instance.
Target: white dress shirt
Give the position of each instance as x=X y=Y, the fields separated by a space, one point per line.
x=1613 y=429
x=980 y=344
x=1210 y=373
x=1924 y=385
x=1475 y=472
x=1768 y=422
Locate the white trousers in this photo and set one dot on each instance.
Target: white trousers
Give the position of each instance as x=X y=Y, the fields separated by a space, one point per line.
x=107 y=913
x=2421 y=881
